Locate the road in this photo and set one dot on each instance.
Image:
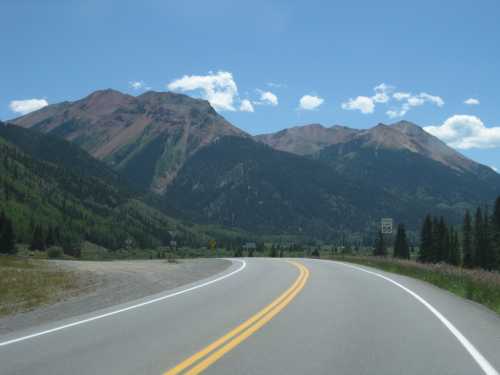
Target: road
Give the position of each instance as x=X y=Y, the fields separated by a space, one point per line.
x=271 y=316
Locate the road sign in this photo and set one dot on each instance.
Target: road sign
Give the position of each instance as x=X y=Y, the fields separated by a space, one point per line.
x=386 y=225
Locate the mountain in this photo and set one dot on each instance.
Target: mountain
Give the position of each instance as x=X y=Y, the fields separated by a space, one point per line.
x=311 y=179
x=70 y=190
x=308 y=139
x=147 y=138
x=237 y=182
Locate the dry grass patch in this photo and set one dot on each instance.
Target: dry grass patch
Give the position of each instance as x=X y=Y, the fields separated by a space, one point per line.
x=27 y=283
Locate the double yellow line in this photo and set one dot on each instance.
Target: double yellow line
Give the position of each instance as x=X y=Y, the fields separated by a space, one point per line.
x=198 y=362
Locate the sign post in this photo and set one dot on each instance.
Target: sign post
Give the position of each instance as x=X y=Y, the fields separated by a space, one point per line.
x=386 y=225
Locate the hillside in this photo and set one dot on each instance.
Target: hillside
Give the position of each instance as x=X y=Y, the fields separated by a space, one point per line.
x=147 y=138
x=82 y=205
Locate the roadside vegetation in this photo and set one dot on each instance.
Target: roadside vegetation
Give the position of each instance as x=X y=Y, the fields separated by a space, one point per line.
x=27 y=283
x=475 y=284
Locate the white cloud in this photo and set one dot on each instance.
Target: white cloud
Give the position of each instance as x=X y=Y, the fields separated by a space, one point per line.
x=275 y=85
x=410 y=101
x=26 y=106
x=472 y=101
x=465 y=132
x=246 y=106
x=267 y=97
x=494 y=168
x=137 y=85
x=218 y=88
x=364 y=104
x=382 y=92
x=401 y=96
x=310 y=102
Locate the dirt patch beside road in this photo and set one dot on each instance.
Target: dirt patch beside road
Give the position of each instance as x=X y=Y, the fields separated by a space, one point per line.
x=104 y=284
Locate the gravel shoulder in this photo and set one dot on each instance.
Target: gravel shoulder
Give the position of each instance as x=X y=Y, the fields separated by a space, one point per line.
x=104 y=284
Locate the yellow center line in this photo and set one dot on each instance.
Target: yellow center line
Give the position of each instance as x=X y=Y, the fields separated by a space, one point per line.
x=233 y=338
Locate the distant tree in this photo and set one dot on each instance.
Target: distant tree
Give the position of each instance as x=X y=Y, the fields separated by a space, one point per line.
x=380 y=246
x=274 y=252
x=238 y=253
x=38 y=240
x=51 y=239
x=468 y=241
x=315 y=253
x=401 y=247
x=454 y=255
x=495 y=223
x=489 y=260
x=426 y=244
x=7 y=237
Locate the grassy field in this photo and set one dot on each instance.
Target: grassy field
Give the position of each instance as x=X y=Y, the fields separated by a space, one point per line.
x=477 y=285
x=27 y=283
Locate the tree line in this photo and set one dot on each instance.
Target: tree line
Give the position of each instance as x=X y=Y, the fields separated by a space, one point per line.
x=478 y=247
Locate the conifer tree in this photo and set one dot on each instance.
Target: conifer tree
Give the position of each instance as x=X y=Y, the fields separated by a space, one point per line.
x=380 y=247
x=454 y=257
x=468 y=242
x=426 y=240
x=401 y=248
x=495 y=222
x=7 y=236
x=38 y=241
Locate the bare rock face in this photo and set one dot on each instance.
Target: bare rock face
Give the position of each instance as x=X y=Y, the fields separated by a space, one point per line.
x=148 y=138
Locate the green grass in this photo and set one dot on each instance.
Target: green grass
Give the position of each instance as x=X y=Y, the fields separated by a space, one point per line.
x=477 y=285
x=27 y=283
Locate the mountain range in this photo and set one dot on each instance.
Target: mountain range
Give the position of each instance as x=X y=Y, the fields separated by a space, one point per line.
x=310 y=180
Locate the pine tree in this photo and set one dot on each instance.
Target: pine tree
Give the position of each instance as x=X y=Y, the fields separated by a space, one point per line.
x=380 y=247
x=478 y=238
x=50 y=240
x=401 y=248
x=495 y=222
x=468 y=247
x=489 y=260
x=7 y=237
x=426 y=240
x=454 y=256
x=37 y=242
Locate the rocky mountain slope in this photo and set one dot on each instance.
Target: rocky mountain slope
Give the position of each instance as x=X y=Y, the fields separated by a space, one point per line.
x=147 y=138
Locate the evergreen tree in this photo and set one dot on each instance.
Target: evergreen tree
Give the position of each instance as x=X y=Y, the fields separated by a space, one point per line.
x=380 y=247
x=426 y=240
x=489 y=259
x=7 y=237
x=495 y=223
x=454 y=256
x=401 y=248
x=478 y=241
x=38 y=241
x=468 y=242
x=50 y=240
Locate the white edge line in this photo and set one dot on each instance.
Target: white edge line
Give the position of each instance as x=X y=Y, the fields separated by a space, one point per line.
x=133 y=307
x=487 y=368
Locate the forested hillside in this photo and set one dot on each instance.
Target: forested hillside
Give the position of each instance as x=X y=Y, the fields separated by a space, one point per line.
x=42 y=196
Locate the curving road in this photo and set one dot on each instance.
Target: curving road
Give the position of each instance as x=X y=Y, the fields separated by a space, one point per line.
x=271 y=316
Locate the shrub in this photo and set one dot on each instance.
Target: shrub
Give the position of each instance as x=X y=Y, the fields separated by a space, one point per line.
x=55 y=252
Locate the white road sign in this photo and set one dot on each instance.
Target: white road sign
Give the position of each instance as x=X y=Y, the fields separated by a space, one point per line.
x=386 y=225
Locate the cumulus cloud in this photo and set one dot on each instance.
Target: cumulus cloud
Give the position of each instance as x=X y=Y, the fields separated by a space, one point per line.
x=267 y=97
x=472 y=101
x=361 y=103
x=410 y=101
x=218 y=88
x=465 y=132
x=246 y=106
x=382 y=92
x=26 y=106
x=137 y=85
x=310 y=102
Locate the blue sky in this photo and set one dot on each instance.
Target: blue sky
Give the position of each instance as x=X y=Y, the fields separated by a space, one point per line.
x=431 y=57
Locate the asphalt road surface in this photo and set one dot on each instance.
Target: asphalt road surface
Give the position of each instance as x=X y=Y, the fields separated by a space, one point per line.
x=271 y=316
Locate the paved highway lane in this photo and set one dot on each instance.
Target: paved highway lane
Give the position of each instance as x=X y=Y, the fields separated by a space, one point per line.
x=307 y=317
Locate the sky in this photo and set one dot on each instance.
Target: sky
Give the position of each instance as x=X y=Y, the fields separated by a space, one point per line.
x=269 y=65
